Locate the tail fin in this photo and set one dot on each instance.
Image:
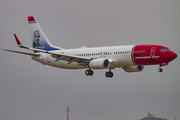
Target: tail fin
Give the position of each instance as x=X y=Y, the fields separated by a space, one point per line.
x=39 y=39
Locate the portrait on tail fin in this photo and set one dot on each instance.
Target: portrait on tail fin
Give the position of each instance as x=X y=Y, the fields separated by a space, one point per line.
x=36 y=40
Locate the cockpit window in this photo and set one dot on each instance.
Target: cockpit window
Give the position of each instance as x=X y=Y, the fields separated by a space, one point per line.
x=163 y=50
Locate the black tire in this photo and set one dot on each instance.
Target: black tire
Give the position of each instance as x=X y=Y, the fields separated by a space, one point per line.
x=107 y=74
x=160 y=70
x=87 y=72
x=111 y=74
x=91 y=72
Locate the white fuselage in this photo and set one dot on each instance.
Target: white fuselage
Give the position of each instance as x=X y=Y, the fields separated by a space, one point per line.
x=118 y=56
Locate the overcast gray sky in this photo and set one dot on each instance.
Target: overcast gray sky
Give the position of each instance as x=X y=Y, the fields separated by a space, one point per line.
x=31 y=91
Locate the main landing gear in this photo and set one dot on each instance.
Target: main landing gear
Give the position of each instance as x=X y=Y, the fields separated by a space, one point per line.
x=107 y=74
x=89 y=72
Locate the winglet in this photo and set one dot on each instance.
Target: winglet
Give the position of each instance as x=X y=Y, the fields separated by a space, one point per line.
x=18 y=42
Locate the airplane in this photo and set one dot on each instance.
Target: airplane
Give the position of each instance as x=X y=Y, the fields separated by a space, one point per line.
x=131 y=58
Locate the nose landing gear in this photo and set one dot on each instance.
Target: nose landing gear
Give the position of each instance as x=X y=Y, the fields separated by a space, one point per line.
x=160 y=69
x=160 y=65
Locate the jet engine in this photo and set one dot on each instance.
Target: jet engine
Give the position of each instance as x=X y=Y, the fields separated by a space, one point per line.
x=133 y=68
x=100 y=63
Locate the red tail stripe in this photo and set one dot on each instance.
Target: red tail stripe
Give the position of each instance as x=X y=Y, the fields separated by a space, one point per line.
x=31 y=19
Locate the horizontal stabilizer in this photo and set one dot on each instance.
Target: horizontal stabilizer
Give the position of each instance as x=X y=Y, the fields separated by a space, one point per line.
x=25 y=53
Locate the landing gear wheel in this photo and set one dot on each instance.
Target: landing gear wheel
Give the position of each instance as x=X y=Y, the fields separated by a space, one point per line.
x=160 y=70
x=89 y=72
x=109 y=74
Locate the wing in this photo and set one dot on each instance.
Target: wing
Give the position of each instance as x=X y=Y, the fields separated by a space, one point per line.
x=70 y=58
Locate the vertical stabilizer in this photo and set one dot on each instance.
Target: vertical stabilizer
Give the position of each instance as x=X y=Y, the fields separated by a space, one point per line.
x=39 y=39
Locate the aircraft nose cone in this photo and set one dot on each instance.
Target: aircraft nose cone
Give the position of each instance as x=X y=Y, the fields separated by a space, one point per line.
x=172 y=55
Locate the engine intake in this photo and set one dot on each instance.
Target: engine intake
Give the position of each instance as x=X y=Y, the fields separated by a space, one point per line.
x=100 y=63
x=133 y=68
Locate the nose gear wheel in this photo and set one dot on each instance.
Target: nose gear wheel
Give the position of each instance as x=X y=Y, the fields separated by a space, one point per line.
x=160 y=70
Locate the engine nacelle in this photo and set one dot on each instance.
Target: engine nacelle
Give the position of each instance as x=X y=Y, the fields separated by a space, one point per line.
x=100 y=63
x=133 y=68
